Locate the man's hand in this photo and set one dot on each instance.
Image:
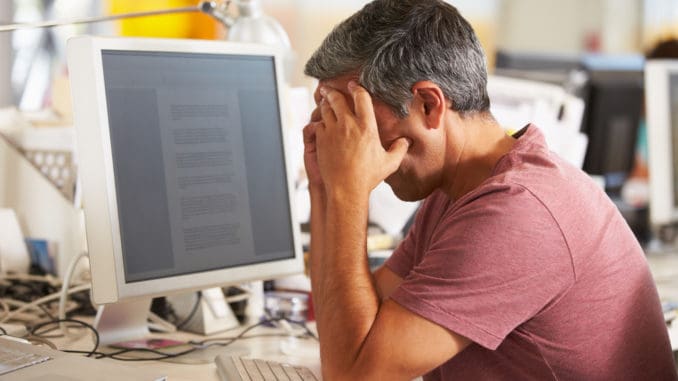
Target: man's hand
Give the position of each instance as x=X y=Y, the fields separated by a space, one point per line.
x=350 y=156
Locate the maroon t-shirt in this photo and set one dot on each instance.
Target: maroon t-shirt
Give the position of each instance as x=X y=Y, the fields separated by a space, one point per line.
x=539 y=269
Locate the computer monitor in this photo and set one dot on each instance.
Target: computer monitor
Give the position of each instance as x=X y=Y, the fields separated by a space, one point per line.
x=554 y=68
x=614 y=98
x=661 y=107
x=182 y=154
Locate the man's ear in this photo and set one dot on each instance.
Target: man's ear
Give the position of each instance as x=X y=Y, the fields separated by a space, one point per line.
x=429 y=100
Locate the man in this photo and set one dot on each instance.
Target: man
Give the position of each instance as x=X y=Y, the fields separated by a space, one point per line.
x=517 y=266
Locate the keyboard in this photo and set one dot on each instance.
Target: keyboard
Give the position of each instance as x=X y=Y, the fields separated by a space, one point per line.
x=235 y=368
x=14 y=359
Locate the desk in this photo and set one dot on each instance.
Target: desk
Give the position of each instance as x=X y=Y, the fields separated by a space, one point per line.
x=267 y=348
x=664 y=267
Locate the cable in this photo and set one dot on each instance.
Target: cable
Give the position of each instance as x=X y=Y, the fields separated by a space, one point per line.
x=46 y=312
x=42 y=300
x=36 y=328
x=163 y=355
x=64 y=291
x=197 y=345
x=239 y=336
x=37 y=334
x=16 y=315
x=41 y=340
x=5 y=308
x=305 y=327
x=22 y=291
x=192 y=313
x=159 y=324
x=49 y=279
x=232 y=339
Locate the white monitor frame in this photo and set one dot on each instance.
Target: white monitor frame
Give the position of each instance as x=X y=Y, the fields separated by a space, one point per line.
x=97 y=175
x=660 y=132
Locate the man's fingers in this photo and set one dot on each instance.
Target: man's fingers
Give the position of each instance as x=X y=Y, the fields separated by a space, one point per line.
x=315 y=115
x=396 y=152
x=362 y=101
x=337 y=102
x=317 y=97
x=327 y=114
x=310 y=133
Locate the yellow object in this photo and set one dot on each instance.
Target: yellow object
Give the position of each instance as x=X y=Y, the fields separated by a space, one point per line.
x=181 y=25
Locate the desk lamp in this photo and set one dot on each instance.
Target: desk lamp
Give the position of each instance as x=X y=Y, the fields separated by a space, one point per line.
x=250 y=25
x=257 y=24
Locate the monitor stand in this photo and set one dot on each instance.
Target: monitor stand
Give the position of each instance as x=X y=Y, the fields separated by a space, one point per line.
x=122 y=321
x=128 y=320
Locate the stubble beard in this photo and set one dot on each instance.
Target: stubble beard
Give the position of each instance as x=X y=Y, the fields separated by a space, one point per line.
x=407 y=187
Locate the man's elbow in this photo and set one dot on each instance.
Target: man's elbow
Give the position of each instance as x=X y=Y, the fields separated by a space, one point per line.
x=365 y=370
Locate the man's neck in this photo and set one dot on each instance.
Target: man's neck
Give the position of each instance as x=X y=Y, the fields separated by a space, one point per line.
x=477 y=143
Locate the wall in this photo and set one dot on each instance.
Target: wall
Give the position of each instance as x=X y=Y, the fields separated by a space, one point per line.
x=571 y=27
x=308 y=22
x=660 y=21
x=5 y=56
x=622 y=26
x=550 y=26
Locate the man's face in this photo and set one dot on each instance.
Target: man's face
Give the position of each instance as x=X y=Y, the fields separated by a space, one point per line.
x=420 y=172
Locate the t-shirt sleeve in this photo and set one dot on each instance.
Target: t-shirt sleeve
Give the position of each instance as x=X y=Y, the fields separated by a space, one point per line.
x=492 y=264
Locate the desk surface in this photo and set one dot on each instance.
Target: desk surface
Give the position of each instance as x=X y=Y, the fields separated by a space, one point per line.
x=286 y=349
x=663 y=265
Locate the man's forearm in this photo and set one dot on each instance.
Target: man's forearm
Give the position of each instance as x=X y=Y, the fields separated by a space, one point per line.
x=318 y=221
x=347 y=301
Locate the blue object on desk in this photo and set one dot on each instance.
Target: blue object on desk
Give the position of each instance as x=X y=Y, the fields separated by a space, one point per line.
x=40 y=258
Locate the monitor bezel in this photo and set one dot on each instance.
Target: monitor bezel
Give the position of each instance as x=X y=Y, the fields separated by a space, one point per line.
x=663 y=210
x=98 y=176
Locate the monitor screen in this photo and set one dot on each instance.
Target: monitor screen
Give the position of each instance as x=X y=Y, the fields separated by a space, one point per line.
x=661 y=105
x=198 y=161
x=614 y=100
x=673 y=120
x=551 y=68
x=183 y=163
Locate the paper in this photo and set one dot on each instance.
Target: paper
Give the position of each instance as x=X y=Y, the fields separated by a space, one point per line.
x=388 y=211
x=13 y=252
x=517 y=102
x=205 y=174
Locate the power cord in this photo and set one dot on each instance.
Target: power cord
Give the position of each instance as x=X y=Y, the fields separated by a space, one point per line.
x=191 y=314
x=163 y=355
x=38 y=302
x=65 y=292
x=35 y=332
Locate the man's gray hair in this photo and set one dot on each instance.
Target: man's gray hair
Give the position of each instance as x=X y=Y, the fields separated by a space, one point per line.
x=392 y=44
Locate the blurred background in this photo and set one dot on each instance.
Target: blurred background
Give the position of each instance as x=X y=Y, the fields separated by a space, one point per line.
x=32 y=61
